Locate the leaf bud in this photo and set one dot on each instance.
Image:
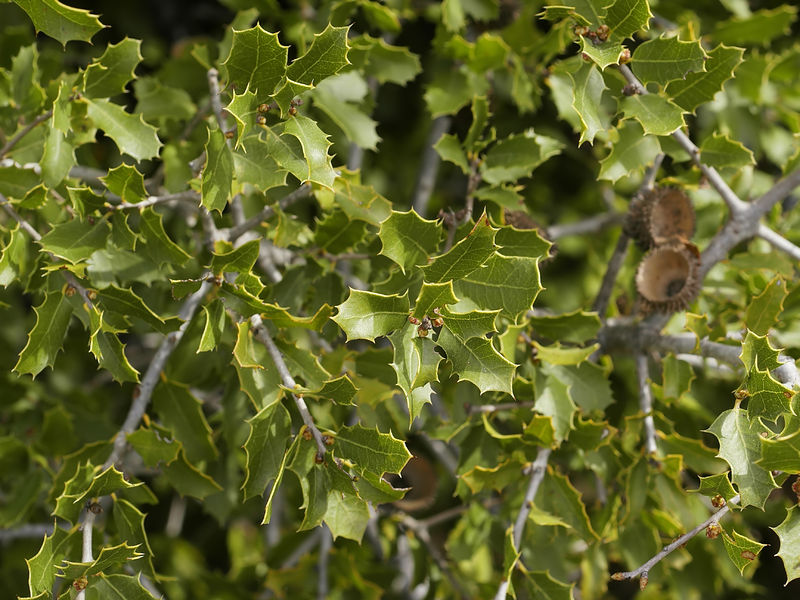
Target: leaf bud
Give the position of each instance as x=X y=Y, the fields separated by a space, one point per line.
x=741 y=395
x=602 y=33
x=580 y=30
x=625 y=56
x=261 y=120
x=437 y=322
x=262 y=108
x=319 y=458
x=630 y=89
x=307 y=435
x=718 y=501
x=92 y=295
x=413 y=320
x=643 y=581
x=95 y=508
x=585 y=56
x=80 y=583
x=328 y=439
x=618 y=577
x=70 y=291
x=230 y=133
x=796 y=488
x=292 y=110
x=713 y=531
x=421 y=332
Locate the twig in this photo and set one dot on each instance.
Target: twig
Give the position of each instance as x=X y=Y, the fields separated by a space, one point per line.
x=86 y=549
x=185 y=196
x=151 y=377
x=536 y=472
x=490 y=408
x=592 y=224
x=325 y=545
x=216 y=102
x=649 y=180
x=666 y=550
x=423 y=535
x=267 y=212
x=778 y=242
x=600 y=305
x=646 y=403
x=263 y=336
x=31 y=530
x=776 y=193
x=429 y=165
x=302 y=549
x=24 y=131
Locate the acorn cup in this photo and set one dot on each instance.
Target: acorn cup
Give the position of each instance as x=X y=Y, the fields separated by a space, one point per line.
x=668 y=277
x=661 y=215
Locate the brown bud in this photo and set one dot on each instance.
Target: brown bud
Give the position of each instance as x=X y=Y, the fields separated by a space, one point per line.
x=261 y=120
x=643 y=581
x=618 y=577
x=717 y=501
x=329 y=440
x=437 y=322
x=69 y=292
x=630 y=89
x=741 y=394
x=292 y=110
x=580 y=30
x=413 y=320
x=229 y=134
x=95 y=508
x=262 y=108
x=713 y=531
x=80 y=583
x=602 y=33
x=796 y=488
x=92 y=295
x=319 y=458
x=307 y=435
x=422 y=332
x=625 y=56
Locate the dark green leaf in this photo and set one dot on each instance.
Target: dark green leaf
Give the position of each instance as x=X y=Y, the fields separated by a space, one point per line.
x=59 y=21
x=256 y=62
x=47 y=335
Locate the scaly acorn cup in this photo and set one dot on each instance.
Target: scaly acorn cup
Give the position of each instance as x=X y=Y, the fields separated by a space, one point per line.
x=667 y=278
x=660 y=216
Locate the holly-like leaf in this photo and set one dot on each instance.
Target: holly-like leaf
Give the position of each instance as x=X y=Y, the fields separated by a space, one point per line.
x=449 y=148
x=764 y=309
x=257 y=61
x=326 y=56
x=559 y=497
x=108 y=350
x=700 y=87
x=129 y=522
x=556 y=354
x=510 y=283
x=109 y=558
x=603 y=55
x=214 y=328
x=286 y=94
x=540 y=584
x=477 y=361
x=41 y=567
x=246 y=304
x=665 y=59
x=109 y=74
x=517 y=156
x=346 y=515
x=760 y=27
x=303 y=150
x=631 y=151
x=408 y=239
x=371 y=450
x=626 y=17
x=589 y=387
x=237 y=260
x=657 y=115
x=768 y=398
x=741 y=549
x=781 y=453
x=716 y=485
x=407 y=364
x=182 y=414
x=130 y=133
x=57 y=159
x=720 y=152
x=126 y=182
x=337 y=233
x=432 y=296
x=553 y=401
x=367 y=315
x=588 y=87
x=472 y=324
x=60 y=21
x=126 y=304
x=75 y=240
x=265 y=447
x=89 y=482
x=466 y=256
x=340 y=97
x=740 y=446
x=788 y=533
x=47 y=335
x=577 y=326
x=217 y=173
x=119 y=587
x=340 y=390
x=757 y=352
x=161 y=248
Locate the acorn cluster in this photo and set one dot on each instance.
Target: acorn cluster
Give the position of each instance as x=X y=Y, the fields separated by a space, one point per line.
x=662 y=222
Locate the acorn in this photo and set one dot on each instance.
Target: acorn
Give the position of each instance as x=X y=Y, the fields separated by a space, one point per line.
x=660 y=216
x=668 y=277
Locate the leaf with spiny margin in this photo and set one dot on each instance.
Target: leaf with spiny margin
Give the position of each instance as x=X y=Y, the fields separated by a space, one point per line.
x=664 y=59
x=768 y=398
x=741 y=549
x=214 y=328
x=764 y=309
x=326 y=56
x=367 y=315
x=286 y=151
x=154 y=445
x=657 y=115
x=129 y=522
x=265 y=448
x=433 y=295
x=303 y=365
x=358 y=201
x=626 y=17
x=553 y=401
x=126 y=182
x=55 y=547
x=603 y=55
x=315 y=146
x=371 y=450
x=781 y=453
x=218 y=172
x=58 y=157
x=75 y=240
x=16 y=182
x=757 y=352
x=517 y=156
x=720 y=152
x=631 y=152
x=129 y=132
x=15 y=258
x=61 y=22
x=577 y=326
x=588 y=87
x=477 y=361
x=386 y=63
x=472 y=324
x=47 y=336
x=286 y=93
x=160 y=102
x=253 y=165
x=406 y=364
x=258 y=376
x=182 y=414
x=677 y=377
x=521 y=242
x=541 y=430
x=108 y=350
x=542 y=585
x=480 y=478
x=337 y=232
x=110 y=558
x=109 y=74
x=556 y=354
x=244 y=109
x=341 y=98
x=85 y=202
x=225 y=258
x=126 y=303
x=760 y=27
x=346 y=515
x=740 y=446
x=588 y=385
x=340 y=390
x=510 y=283
x=188 y=480
x=256 y=61
x=27 y=94
x=158 y=244
x=701 y=87
x=246 y=304
x=449 y=148
x=559 y=497
x=287 y=456
x=91 y=482
x=716 y=485
x=408 y=239
x=788 y=533
x=559 y=13
x=466 y=256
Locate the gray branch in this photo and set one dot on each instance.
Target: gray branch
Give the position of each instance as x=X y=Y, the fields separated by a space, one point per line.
x=268 y=211
x=429 y=165
x=590 y=225
x=646 y=403
x=778 y=242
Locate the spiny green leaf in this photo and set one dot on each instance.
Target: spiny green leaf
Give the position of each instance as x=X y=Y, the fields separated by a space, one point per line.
x=664 y=59
x=315 y=149
x=407 y=364
x=109 y=351
x=154 y=445
x=761 y=27
x=701 y=87
x=577 y=326
x=161 y=248
x=257 y=61
x=603 y=55
x=346 y=515
x=764 y=309
x=16 y=182
x=126 y=303
x=130 y=133
x=383 y=62
x=432 y=296
x=720 y=152
x=340 y=97
x=768 y=398
x=217 y=173
x=588 y=88
x=781 y=453
x=466 y=256
x=109 y=74
x=47 y=335
x=286 y=94
x=58 y=158
x=119 y=587
x=757 y=352
x=126 y=182
x=557 y=354
x=740 y=446
x=657 y=115
x=626 y=17
x=75 y=240
x=449 y=148
x=408 y=239
x=477 y=361
x=553 y=401
x=367 y=315
x=246 y=304
x=326 y=56
x=631 y=151
x=265 y=448
x=371 y=450
x=741 y=549
x=110 y=558
x=340 y=390
x=788 y=533
x=129 y=522
x=244 y=109
x=559 y=497
x=337 y=233
x=182 y=413
x=214 y=328
x=61 y=22
x=55 y=547
x=472 y=324
x=716 y=485
x=540 y=584
x=589 y=387
x=159 y=102
x=517 y=156
x=253 y=165
x=237 y=260
x=89 y=482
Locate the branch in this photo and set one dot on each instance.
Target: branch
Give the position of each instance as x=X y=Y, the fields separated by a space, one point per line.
x=537 y=471
x=646 y=403
x=666 y=550
x=590 y=225
x=216 y=103
x=263 y=336
x=600 y=305
x=31 y=530
x=186 y=196
x=429 y=165
x=424 y=536
x=777 y=193
x=777 y=241
x=490 y=408
x=325 y=545
x=268 y=211
x=88 y=530
x=151 y=377
x=24 y=131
